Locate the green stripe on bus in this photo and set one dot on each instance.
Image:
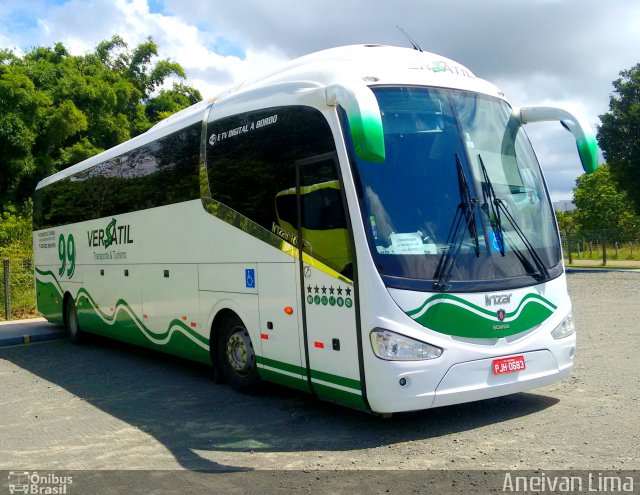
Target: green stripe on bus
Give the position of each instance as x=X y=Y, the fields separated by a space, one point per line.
x=335 y=379
x=452 y=315
x=319 y=375
x=121 y=303
x=55 y=279
x=124 y=324
x=291 y=368
x=124 y=328
x=49 y=301
x=341 y=396
x=450 y=297
x=286 y=380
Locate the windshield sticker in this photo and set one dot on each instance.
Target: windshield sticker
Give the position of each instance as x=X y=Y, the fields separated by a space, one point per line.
x=374 y=229
x=409 y=243
x=495 y=241
x=468 y=141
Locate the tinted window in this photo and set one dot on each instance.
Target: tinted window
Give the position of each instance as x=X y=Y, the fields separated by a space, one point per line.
x=156 y=174
x=251 y=161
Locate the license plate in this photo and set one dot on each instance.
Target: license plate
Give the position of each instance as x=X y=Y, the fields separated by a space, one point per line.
x=508 y=365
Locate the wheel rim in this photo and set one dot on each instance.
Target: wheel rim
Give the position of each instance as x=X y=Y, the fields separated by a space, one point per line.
x=240 y=351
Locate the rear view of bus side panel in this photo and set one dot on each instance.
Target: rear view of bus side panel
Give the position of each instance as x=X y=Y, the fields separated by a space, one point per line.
x=96 y=228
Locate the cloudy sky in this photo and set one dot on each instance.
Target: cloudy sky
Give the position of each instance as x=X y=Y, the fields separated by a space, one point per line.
x=561 y=52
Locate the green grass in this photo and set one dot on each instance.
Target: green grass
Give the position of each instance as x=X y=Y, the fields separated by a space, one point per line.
x=600 y=265
x=625 y=252
x=23 y=294
x=15 y=245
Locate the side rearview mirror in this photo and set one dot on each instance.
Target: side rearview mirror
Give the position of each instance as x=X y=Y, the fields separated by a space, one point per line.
x=364 y=117
x=578 y=126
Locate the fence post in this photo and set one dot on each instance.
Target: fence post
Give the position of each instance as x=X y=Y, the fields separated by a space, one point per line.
x=569 y=246
x=7 y=290
x=604 y=249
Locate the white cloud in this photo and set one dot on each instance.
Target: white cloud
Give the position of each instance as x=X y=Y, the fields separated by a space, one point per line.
x=73 y=24
x=537 y=51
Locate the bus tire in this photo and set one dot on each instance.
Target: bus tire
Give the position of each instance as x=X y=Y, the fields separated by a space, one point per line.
x=236 y=355
x=74 y=333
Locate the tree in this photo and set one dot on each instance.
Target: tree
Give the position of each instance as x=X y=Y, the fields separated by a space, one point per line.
x=170 y=101
x=566 y=221
x=619 y=134
x=57 y=109
x=600 y=205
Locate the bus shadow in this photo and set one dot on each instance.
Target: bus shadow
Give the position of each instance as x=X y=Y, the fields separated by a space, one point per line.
x=176 y=402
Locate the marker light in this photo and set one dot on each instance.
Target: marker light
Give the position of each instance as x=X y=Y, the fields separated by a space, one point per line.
x=565 y=328
x=395 y=347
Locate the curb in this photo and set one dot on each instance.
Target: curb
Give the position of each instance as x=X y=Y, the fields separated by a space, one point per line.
x=18 y=322
x=31 y=339
x=587 y=269
x=21 y=332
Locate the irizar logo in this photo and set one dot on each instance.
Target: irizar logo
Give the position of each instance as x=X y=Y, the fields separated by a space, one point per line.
x=497 y=299
x=111 y=234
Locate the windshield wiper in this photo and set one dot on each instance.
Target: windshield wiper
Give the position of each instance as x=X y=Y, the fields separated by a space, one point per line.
x=497 y=206
x=465 y=210
x=492 y=201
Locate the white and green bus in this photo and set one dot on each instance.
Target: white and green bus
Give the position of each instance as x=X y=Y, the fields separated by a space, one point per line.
x=368 y=224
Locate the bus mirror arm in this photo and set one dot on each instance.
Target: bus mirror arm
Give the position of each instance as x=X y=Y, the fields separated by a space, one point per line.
x=577 y=125
x=365 y=121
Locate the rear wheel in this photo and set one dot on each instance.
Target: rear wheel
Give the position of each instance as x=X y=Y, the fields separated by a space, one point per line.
x=236 y=355
x=71 y=320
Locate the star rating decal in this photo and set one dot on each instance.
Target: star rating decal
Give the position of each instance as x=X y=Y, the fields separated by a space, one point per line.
x=339 y=301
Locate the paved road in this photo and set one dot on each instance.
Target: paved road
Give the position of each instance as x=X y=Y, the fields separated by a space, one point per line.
x=106 y=405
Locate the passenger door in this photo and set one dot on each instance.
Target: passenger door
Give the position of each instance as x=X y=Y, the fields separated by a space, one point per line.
x=331 y=343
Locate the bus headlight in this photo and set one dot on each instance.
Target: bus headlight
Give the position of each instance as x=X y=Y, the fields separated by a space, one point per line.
x=565 y=328
x=395 y=347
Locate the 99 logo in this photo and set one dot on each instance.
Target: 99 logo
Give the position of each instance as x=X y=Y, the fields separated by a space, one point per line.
x=66 y=252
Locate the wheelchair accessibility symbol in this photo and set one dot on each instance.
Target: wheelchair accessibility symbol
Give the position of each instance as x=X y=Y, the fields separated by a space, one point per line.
x=496 y=240
x=250 y=278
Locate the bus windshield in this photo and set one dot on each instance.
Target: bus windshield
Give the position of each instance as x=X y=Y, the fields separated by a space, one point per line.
x=442 y=146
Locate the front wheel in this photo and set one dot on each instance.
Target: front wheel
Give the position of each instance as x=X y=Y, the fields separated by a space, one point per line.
x=236 y=356
x=71 y=319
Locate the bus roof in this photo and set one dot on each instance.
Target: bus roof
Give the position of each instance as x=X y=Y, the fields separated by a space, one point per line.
x=372 y=65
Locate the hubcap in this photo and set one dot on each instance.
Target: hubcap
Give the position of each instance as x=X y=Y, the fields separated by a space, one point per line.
x=240 y=351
